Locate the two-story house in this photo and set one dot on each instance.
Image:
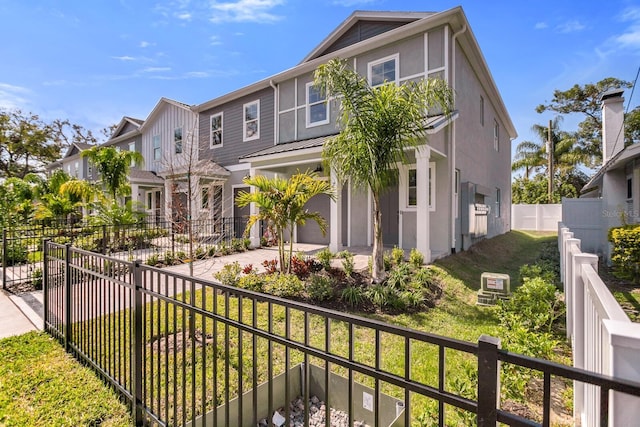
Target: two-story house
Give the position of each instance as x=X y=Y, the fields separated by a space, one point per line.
x=455 y=190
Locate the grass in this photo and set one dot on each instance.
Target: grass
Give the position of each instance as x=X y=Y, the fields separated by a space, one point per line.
x=456 y=316
x=42 y=385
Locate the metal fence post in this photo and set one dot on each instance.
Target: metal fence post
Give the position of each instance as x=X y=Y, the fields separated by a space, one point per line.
x=138 y=344
x=4 y=258
x=104 y=239
x=67 y=296
x=45 y=281
x=488 y=381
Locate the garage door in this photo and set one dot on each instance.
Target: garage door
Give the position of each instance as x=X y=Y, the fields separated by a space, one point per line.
x=311 y=233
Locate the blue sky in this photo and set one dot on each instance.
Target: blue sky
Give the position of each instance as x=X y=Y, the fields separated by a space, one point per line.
x=93 y=62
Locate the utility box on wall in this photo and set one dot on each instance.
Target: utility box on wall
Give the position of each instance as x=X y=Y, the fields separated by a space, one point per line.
x=494 y=287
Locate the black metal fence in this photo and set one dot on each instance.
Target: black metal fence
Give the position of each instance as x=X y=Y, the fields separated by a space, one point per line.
x=21 y=250
x=184 y=352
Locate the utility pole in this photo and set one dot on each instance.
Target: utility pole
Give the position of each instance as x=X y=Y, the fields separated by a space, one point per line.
x=550 y=165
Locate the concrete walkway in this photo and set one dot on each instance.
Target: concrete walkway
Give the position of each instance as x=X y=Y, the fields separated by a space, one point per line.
x=24 y=313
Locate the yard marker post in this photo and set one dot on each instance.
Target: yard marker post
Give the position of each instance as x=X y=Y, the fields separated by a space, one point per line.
x=138 y=342
x=488 y=380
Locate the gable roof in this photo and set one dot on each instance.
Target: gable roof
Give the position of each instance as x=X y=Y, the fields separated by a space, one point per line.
x=76 y=148
x=161 y=103
x=123 y=123
x=454 y=17
x=383 y=22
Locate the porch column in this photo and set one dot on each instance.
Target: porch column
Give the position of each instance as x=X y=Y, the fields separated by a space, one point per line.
x=254 y=234
x=167 y=200
x=335 y=217
x=423 y=241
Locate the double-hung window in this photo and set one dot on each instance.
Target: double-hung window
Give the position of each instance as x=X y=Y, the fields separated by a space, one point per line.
x=177 y=140
x=496 y=135
x=251 y=122
x=412 y=187
x=216 y=131
x=132 y=148
x=384 y=70
x=317 y=107
x=204 y=198
x=157 y=150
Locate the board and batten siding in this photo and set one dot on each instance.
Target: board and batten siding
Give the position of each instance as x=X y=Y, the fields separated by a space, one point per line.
x=164 y=123
x=233 y=146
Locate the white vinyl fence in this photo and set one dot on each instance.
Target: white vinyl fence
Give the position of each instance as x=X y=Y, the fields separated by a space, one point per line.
x=603 y=338
x=536 y=217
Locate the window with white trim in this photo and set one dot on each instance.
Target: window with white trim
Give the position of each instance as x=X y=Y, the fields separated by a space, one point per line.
x=177 y=140
x=204 y=198
x=498 y=202
x=317 y=106
x=149 y=200
x=412 y=187
x=132 y=148
x=215 y=139
x=383 y=70
x=251 y=121
x=496 y=135
x=157 y=150
x=76 y=167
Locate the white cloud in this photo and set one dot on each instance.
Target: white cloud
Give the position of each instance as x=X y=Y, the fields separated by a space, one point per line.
x=571 y=27
x=155 y=69
x=541 y=26
x=184 y=16
x=144 y=44
x=351 y=3
x=12 y=96
x=124 y=58
x=245 y=11
x=630 y=38
x=215 y=41
x=196 y=74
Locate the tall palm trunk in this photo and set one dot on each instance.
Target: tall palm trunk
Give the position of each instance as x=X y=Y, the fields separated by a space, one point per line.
x=377 y=273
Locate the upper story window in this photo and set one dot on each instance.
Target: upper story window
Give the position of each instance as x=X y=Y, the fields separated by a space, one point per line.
x=132 y=148
x=498 y=202
x=76 y=166
x=317 y=107
x=251 y=122
x=177 y=140
x=384 y=70
x=157 y=150
x=215 y=139
x=481 y=110
x=496 y=135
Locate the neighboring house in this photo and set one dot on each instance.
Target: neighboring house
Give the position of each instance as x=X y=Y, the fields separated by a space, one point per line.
x=73 y=163
x=616 y=185
x=453 y=192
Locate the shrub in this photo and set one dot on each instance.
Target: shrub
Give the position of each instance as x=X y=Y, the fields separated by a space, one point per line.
x=16 y=253
x=200 y=253
x=625 y=254
x=299 y=267
x=347 y=263
x=270 y=266
x=400 y=277
x=397 y=255
x=36 y=278
x=320 y=288
x=169 y=258
x=248 y=269
x=536 y=305
x=379 y=295
x=237 y=245
x=284 y=285
x=229 y=275
x=252 y=281
x=386 y=261
x=353 y=295
x=541 y=269
x=181 y=255
x=153 y=260
x=246 y=242
x=324 y=257
x=416 y=258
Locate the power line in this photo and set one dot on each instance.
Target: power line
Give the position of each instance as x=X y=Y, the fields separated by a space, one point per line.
x=633 y=88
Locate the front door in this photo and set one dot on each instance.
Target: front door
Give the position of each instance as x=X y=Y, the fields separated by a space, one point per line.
x=390 y=215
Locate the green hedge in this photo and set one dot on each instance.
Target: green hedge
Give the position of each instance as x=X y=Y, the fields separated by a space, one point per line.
x=625 y=254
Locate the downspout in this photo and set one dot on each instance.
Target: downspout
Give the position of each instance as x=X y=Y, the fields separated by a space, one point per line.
x=276 y=108
x=453 y=141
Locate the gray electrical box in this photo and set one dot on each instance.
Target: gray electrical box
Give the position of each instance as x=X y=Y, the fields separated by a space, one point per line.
x=493 y=287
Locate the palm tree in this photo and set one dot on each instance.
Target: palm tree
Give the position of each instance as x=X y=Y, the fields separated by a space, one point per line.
x=281 y=203
x=378 y=124
x=54 y=199
x=113 y=166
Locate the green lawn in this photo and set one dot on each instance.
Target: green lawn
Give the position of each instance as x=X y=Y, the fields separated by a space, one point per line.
x=456 y=315
x=41 y=385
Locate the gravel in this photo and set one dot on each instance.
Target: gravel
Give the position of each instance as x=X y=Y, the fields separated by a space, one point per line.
x=317 y=414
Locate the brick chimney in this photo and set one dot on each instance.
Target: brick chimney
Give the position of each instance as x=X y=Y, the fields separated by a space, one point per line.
x=612 y=123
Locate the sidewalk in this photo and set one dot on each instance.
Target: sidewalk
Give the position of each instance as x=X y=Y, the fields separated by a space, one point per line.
x=19 y=314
